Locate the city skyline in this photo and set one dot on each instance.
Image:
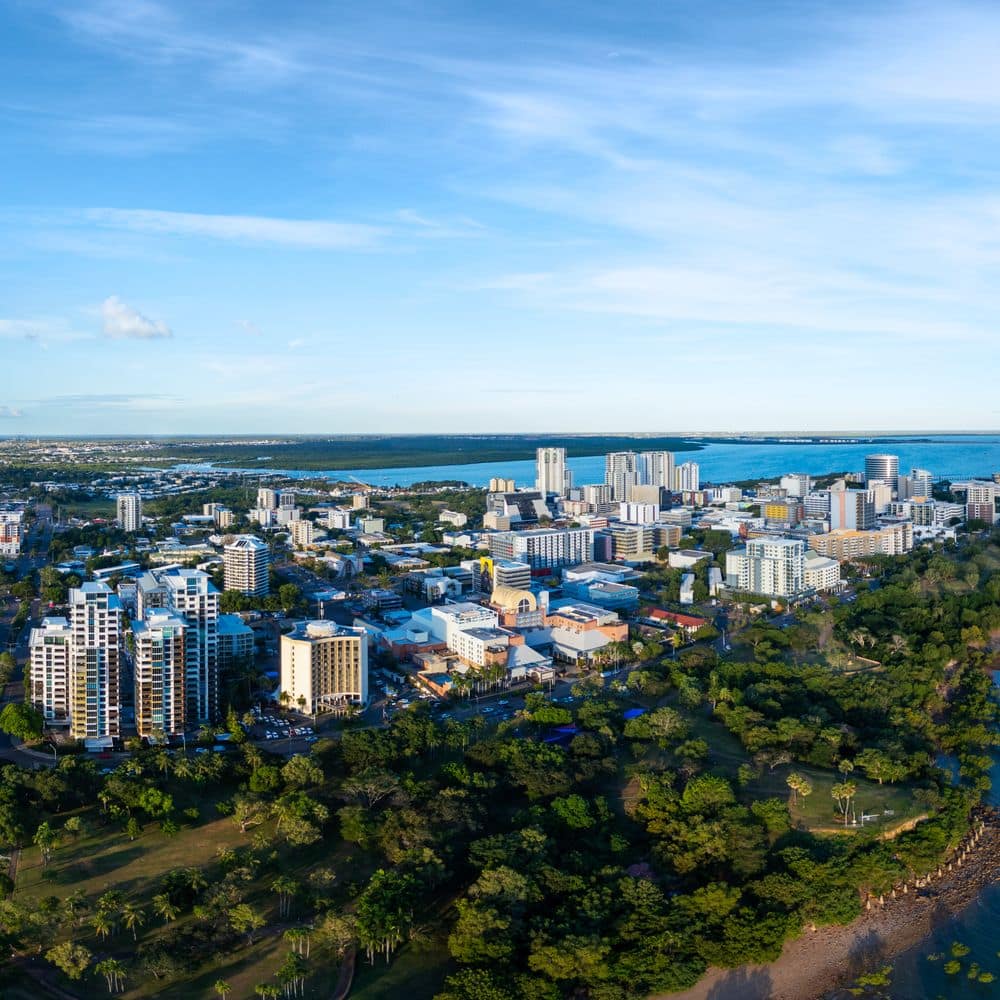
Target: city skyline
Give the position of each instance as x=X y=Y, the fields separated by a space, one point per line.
x=326 y=220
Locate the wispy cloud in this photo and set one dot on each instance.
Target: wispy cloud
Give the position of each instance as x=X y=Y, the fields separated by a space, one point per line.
x=10 y=412
x=123 y=322
x=316 y=234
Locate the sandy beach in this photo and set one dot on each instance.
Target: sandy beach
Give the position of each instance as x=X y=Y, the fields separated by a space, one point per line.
x=817 y=963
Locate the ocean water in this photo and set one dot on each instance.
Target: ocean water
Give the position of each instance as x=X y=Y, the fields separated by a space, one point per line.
x=946 y=456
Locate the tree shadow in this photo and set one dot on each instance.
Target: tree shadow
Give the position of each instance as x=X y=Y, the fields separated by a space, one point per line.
x=866 y=953
x=745 y=983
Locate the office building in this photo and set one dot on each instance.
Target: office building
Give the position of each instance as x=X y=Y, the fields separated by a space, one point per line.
x=510 y=574
x=267 y=499
x=247 y=560
x=771 y=567
x=688 y=478
x=631 y=542
x=95 y=663
x=884 y=467
x=638 y=513
x=552 y=476
x=338 y=520
x=51 y=649
x=286 y=498
x=918 y=485
x=544 y=548
x=129 y=511
x=324 y=667
x=881 y=494
x=159 y=665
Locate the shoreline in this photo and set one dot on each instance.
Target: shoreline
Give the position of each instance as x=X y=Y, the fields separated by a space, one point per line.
x=819 y=964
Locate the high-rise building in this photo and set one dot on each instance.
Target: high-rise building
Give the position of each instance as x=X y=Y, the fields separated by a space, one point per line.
x=552 y=476
x=95 y=663
x=190 y=595
x=885 y=467
x=302 y=532
x=853 y=509
x=544 y=548
x=498 y=485
x=247 y=560
x=656 y=468
x=772 y=567
x=796 y=484
x=286 y=498
x=267 y=499
x=918 y=485
x=621 y=470
x=129 y=511
x=980 y=501
x=159 y=664
x=688 y=477
x=324 y=666
x=51 y=650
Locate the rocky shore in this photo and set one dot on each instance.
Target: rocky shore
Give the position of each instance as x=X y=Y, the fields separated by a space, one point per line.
x=817 y=964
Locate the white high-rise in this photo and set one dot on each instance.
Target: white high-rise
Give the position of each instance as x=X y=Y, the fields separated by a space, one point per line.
x=884 y=467
x=796 y=484
x=656 y=468
x=621 y=470
x=552 y=476
x=688 y=477
x=246 y=560
x=51 y=650
x=159 y=666
x=129 y=511
x=95 y=662
x=772 y=567
x=267 y=499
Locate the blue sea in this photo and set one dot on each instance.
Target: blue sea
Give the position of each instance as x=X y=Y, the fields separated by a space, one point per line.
x=946 y=456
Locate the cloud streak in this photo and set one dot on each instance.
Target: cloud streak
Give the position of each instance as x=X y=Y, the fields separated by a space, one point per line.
x=122 y=322
x=310 y=234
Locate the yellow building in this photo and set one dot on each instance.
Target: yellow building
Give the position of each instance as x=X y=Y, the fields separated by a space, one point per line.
x=324 y=667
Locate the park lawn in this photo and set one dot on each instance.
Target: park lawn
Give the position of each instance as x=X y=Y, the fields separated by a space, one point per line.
x=413 y=972
x=818 y=811
x=107 y=858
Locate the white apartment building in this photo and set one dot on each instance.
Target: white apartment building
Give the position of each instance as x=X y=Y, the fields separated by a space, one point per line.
x=266 y=517
x=688 y=477
x=10 y=532
x=656 y=468
x=267 y=499
x=453 y=517
x=544 y=548
x=552 y=475
x=95 y=663
x=772 y=567
x=324 y=667
x=159 y=665
x=247 y=560
x=638 y=513
x=338 y=520
x=51 y=649
x=129 y=511
x=821 y=572
x=621 y=470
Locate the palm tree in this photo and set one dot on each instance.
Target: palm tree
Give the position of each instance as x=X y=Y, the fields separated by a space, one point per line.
x=133 y=917
x=300 y=939
x=222 y=988
x=74 y=905
x=165 y=907
x=113 y=972
x=195 y=879
x=794 y=782
x=285 y=887
x=102 y=925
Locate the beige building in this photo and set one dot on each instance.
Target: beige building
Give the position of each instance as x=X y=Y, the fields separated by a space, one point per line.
x=247 y=560
x=844 y=544
x=302 y=532
x=324 y=667
x=51 y=648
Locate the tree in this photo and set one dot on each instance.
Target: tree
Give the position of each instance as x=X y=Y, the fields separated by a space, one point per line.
x=285 y=888
x=222 y=988
x=101 y=922
x=72 y=959
x=844 y=792
x=133 y=917
x=20 y=720
x=245 y=920
x=45 y=840
x=114 y=974
x=164 y=907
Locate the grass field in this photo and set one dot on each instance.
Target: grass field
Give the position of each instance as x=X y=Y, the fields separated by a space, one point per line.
x=414 y=973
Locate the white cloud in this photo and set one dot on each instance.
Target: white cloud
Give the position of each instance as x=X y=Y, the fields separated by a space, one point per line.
x=122 y=322
x=10 y=412
x=313 y=234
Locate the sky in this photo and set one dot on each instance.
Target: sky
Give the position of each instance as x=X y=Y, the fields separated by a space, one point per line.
x=322 y=217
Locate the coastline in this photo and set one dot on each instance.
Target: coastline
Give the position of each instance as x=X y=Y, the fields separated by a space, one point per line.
x=819 y=964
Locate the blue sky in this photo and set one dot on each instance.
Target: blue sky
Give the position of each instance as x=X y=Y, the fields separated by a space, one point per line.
x=331 y=218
